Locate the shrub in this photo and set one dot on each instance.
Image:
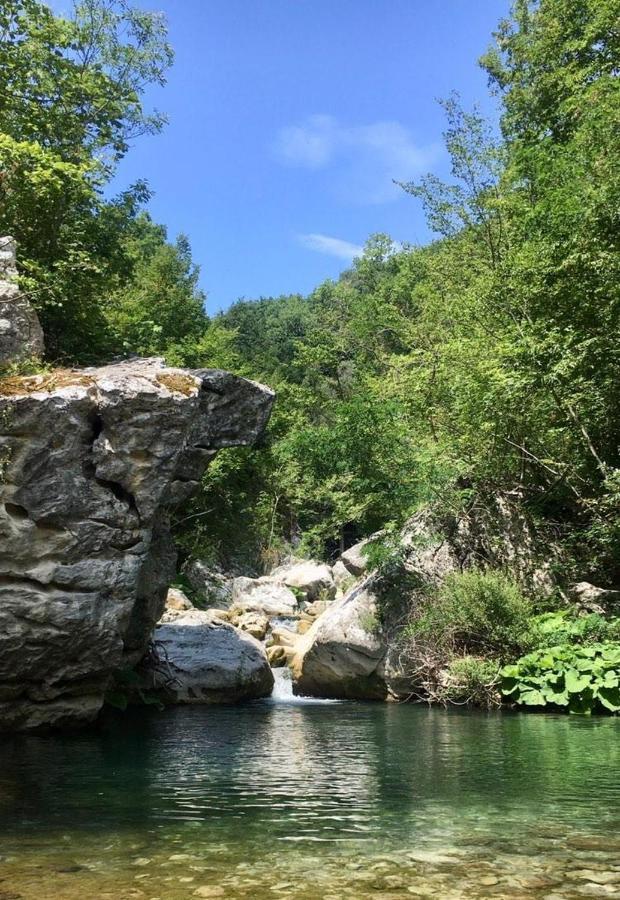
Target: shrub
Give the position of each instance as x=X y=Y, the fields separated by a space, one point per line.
x=582 y=679
x=479 y=613
x=472 y=680
x=568 y=627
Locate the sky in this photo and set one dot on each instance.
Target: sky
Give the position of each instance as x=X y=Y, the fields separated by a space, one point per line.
x=289 y=120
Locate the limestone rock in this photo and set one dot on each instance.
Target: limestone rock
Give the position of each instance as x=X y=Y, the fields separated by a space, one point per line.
x=177 y=600
x=254 y=622
x=205 y=660
x=92 y=462
x=21 y=336
x=354 y=559
x=313 y=580
x=263 y=595
x=340 y=655
x=277 y=656
x=214 y=588
x=343 y=579
x=594 y=599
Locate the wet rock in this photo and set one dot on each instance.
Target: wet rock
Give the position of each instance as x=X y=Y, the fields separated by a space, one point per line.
x=277 y=656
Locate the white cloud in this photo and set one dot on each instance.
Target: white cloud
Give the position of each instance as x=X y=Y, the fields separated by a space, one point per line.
x=364 y=158
x=333 y=246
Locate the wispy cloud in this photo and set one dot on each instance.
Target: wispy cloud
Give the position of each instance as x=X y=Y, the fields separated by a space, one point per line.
x=365 y=158
x=333 y=246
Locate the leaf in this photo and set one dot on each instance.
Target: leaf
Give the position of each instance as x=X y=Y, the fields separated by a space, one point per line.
x=532 y=698
x=575 y=683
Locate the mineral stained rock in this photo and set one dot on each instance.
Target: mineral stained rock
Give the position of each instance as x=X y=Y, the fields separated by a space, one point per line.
x=92 y=462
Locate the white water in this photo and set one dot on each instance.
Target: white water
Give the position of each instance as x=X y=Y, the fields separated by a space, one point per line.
x=283 y=689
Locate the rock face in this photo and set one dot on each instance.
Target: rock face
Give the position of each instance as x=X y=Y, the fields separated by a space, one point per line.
x=202 y=659
x=91 y=464
x=21 y=336
x=354 y=559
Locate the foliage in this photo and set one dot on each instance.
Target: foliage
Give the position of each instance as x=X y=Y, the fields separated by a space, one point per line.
x=566 y=626
x=475 y=612
x=582 y=679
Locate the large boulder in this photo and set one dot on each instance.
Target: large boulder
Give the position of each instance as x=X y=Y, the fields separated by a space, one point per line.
x=212 y=587
x=313 y=580
x=263 y=595
x=21 y=336
x=92 y=464
x=340 y=655
x=199 y=658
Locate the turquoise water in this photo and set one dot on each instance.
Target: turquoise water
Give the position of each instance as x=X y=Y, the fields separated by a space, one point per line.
x=314 y=800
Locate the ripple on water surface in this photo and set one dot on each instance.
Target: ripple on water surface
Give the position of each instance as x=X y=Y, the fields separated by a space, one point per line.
x=314 y=801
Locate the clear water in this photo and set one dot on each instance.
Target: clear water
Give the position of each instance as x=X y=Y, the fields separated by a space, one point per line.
x=312 y=800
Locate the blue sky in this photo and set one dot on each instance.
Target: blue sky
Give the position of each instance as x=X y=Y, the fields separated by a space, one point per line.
x=288 y=121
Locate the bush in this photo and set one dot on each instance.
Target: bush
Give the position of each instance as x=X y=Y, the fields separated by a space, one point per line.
x=477 y=613
x=568 y=627
x=581 y=679
x=472 y=680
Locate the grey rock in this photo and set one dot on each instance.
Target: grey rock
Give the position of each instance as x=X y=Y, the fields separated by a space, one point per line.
x=341 y=654
x=354 y=559
x=21 y=336
x=263 y=595
x=594 y=599
x=214 y=588
x=177 y=600
x=205 y=660
x=92 y=462
x=356 y=649
x=314 y=580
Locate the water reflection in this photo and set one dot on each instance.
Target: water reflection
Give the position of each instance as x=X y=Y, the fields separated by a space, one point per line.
x=370 y=800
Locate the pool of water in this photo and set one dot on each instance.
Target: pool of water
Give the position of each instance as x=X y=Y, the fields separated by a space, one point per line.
x=312 y=800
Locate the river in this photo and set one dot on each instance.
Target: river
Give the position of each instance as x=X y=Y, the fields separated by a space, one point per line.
x=286 y=798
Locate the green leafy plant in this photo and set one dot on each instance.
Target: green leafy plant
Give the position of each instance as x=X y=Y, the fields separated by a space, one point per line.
x=582 y=679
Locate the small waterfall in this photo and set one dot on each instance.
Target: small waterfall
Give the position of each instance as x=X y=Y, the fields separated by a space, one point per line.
x=283 y=689
x=282 y=685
